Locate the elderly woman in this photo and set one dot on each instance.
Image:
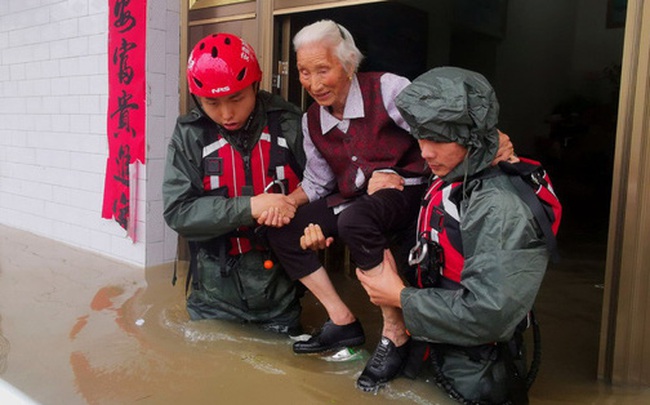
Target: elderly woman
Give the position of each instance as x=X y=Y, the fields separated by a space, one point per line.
x=363 y=181
x=352 y=131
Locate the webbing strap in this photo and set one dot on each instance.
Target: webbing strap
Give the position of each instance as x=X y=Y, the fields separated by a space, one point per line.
x=518 y=391
x=279 y=156
x=193 y=272
x=528 y=195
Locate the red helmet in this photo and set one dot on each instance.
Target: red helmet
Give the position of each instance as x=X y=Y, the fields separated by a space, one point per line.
x=221 y=64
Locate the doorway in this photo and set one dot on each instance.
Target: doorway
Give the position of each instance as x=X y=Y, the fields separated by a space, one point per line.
x=393 y=37
x=556 y=70
x=558 y=100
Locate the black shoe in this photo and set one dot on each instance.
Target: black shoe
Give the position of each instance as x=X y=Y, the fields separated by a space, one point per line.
x=385 y=364
x=331 y=337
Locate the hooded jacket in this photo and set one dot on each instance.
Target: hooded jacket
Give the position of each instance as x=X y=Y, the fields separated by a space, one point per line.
x=505 y=257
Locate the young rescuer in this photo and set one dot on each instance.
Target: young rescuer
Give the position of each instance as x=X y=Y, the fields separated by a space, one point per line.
x=481 y=251
x=233 y=157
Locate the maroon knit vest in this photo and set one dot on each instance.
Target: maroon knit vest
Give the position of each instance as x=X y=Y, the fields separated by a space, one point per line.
x=371 y=143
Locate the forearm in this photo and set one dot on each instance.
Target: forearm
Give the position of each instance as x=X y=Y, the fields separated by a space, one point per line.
x=208 y=217
x=299 y=196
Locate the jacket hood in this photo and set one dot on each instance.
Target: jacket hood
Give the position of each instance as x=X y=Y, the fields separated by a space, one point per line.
x=450 y=104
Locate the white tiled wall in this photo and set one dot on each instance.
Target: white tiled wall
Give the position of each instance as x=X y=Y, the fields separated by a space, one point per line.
x=53 y=145
x=162 y=110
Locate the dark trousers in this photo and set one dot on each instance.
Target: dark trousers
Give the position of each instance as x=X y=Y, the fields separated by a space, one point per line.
x=367 y=227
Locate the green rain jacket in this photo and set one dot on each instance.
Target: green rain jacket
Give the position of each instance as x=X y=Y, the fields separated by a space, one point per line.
x=505 y=261
x=250 y=293
x=505 y=255
x=504 y=250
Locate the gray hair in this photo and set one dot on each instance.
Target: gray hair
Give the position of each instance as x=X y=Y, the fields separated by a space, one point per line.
x=332 y=35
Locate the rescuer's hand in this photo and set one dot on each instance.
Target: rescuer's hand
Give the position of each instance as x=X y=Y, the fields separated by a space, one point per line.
x=383 y=285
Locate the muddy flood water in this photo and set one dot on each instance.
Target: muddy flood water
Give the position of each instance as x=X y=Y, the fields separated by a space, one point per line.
x=78 y=328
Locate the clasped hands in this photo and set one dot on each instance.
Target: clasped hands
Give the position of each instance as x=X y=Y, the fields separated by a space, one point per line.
x=275 y=210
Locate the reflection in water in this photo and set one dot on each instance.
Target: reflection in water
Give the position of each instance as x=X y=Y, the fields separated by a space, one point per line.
x=87 y=330
x=98 y=372
x=103 y=298
x=78 y=326
x=155 y=354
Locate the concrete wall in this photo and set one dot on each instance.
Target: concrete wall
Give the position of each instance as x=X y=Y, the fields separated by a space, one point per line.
x=53 y=144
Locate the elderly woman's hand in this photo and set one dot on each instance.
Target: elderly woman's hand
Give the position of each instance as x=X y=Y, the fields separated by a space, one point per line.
x=314 y=239
x=274 y=218
x=382 y=180
x=506 y=150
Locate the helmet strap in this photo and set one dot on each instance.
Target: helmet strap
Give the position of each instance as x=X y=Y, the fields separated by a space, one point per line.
x=197 y=103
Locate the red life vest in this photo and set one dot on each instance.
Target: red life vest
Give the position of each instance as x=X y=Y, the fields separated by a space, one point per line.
x=439 y=219
x=439 y=227
x=234 y=175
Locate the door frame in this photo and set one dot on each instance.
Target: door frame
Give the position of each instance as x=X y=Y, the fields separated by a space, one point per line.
x=624 y=326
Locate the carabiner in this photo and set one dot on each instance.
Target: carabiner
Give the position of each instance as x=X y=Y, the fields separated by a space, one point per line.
x=418 y=253
x=280 y=183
